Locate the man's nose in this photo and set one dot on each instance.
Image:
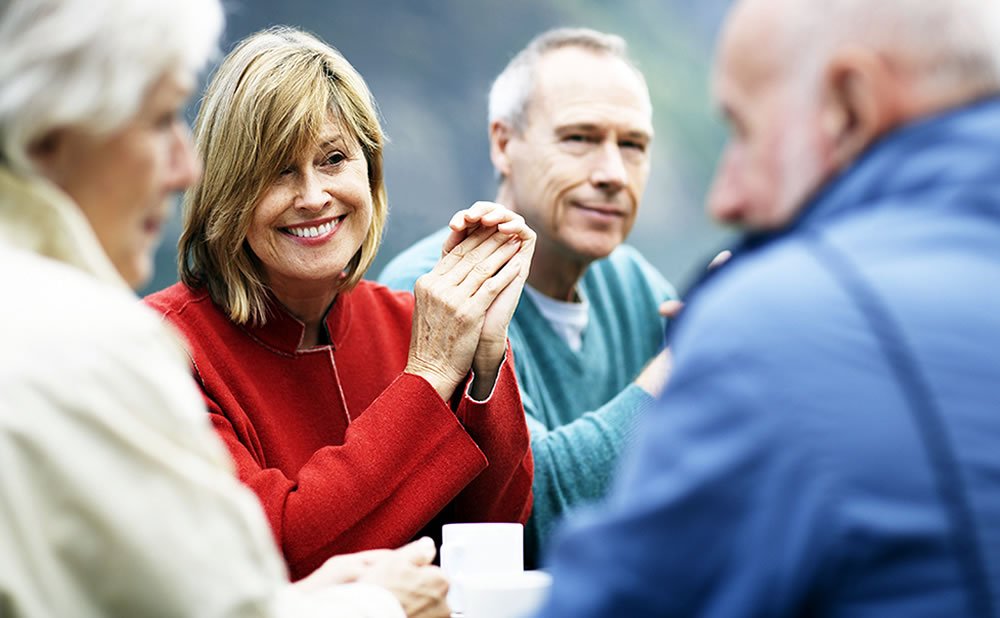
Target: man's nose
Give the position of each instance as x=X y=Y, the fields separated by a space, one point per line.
x=726 y=198
x=609 y=171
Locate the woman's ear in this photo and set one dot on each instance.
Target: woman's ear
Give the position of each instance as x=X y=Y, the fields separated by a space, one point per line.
x=44 y=152
x=500 y=134
x=861 y=101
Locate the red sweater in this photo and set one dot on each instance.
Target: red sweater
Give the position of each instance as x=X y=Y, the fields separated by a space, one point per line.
x=345 y=451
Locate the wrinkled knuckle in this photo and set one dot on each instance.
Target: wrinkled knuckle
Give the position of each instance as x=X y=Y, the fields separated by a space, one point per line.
x=491 y=286
x=432 y=287
x=452 y=307
x=475 y=255
x=482 y=270
x=441 y=288
x=423 y=283
x=461 y=319
x=465 y=315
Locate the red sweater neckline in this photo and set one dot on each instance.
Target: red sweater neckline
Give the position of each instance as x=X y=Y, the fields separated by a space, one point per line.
x=284 y=332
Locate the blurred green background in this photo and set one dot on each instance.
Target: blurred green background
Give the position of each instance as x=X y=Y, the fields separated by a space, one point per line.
x=430 y=63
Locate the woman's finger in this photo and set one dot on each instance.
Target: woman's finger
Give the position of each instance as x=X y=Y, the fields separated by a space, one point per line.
x=482 y=261
x=482 y=214
x=497 y=216
x=481 y=268
x=517 y=227
x=493 y=286
x=454 y=239
x=471 y=216
x=450 y=259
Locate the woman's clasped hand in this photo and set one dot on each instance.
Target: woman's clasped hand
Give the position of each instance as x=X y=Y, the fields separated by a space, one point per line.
x=463 y=306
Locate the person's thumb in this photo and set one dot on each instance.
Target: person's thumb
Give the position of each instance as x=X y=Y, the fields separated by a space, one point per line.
x=420 y=552
x=671 y=308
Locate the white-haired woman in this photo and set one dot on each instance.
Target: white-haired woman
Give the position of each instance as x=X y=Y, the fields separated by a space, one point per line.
x=117 y=498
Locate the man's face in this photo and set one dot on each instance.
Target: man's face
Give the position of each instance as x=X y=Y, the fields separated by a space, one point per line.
x=776 y=156
x=578 y=168
x=122 y=181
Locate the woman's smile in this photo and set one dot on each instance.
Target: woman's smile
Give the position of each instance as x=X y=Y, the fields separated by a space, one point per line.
x=313 y=232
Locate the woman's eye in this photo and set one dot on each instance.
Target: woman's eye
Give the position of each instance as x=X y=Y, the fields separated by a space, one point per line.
x=166 y=121
x=335 y=158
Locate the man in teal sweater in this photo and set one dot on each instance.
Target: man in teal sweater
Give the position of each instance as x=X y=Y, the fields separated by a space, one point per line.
x=570 y=132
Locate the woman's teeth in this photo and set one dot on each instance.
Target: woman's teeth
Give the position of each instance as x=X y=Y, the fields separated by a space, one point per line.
x=313 y=232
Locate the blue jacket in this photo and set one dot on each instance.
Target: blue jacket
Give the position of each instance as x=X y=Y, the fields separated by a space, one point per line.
x=829 y=442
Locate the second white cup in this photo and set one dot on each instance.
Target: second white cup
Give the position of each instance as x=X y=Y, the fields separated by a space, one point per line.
x=479 y=548
x=504 y=595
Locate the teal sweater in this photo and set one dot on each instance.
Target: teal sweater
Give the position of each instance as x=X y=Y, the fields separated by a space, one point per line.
x=580 y=405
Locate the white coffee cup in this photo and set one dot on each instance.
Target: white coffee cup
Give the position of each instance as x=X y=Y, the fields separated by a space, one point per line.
x=504 y=595
x=479 y=549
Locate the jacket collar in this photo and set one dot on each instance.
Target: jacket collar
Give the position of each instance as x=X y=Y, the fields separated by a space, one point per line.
x=283 y=331
x=38 y=217
x=959 y=147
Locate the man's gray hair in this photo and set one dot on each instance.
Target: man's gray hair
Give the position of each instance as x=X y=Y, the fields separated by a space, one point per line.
x=89 y=63
x=946 y=43
x=512 y=89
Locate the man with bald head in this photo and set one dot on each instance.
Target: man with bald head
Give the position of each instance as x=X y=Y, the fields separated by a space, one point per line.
x=827 y=444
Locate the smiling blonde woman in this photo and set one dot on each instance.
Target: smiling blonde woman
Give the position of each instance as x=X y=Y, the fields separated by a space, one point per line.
x=360 y=416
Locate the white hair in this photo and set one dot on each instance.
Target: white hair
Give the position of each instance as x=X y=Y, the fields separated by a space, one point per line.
x=89 y=63
x=944 y=43
x=512 y=89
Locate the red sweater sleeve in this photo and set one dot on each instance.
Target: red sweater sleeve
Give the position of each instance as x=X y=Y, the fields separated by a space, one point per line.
x=392 y=475
x=503 y=491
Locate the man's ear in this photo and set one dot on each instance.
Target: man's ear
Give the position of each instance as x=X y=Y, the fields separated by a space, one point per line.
x=861 y=101
x=500 y=134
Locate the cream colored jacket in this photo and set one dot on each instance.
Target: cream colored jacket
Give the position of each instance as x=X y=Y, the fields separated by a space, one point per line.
x=116 y=499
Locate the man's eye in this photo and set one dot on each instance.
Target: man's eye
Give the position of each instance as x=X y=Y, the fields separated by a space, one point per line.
x=632 y=145
x=579 y=138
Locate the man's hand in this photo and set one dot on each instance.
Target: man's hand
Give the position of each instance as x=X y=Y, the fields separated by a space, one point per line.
x=654 y=376
x=672 y=308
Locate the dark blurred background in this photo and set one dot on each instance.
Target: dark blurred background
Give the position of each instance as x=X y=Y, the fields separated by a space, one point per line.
x=430 y=63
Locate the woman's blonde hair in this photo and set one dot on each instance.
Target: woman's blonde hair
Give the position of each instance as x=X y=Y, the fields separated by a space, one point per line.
x=267 y=102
